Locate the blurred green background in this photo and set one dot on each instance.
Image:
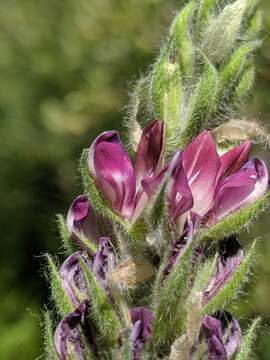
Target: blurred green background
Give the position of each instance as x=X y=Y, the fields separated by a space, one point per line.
x=64 y=72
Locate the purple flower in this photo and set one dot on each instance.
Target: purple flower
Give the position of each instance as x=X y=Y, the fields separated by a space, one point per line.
x=104 y=260
x=68 y=335
x=72 y=276
x=81 y=220
x=124 y=186
x=178 y=246
x=73 y=279
x=222 y=335
x=231 y=257
x=141 y=331
x=214 y=186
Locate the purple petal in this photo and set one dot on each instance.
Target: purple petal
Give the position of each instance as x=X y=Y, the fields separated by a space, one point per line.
x=201 y=164
x=149 y=156
x=179 y=246
x=231 y=256
x=82 y=220
x=212 y=331
x=234 y=336
x=72 y=277
x=110 y=165
x=104 y=260
x=220 y=337
x=222 y=334
x=141 y=331
x=179 y=195
x=240 y=189
x=68 y=337
x=233 y=160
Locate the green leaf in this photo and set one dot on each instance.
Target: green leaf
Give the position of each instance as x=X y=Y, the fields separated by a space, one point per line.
x=248 y=340
x=62 y=301
x=102 y=312
x=235 y=222
x=48 y=337
x=231 y=289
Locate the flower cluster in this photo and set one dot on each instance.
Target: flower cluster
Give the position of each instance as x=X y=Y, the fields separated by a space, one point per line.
x=201 y=189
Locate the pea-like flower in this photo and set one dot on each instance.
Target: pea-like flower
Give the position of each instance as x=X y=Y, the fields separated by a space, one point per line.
x=230 y=258
x=82 y=220
x=68 y=335
x=214 y=186
x=222 y=335
x=141 y=331
x=126 y=187
x=71 y=272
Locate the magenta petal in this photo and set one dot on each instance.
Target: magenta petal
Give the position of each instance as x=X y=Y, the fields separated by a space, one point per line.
x=149 y=156
x=240 y=189
x=231 y=257
x=201 y=163
x=233 y=160
x=68 y=335
x=179 y=195
x=141 y=331
x=149 y=186
x=81 y=220
x=110 y=165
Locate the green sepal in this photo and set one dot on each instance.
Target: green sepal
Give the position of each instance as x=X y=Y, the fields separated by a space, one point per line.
x=245 y=83
x=232 y=288
x=172 y=99
x=181 y=37
x=222 y=32
x=48 y=337
x=62 y=302
x=169 y=311
x=233 y=68
x=248 y=340
x=255 y=26
x=157 y=85
x=235 y=222
x=205 y=10
x=158 y=207
x=202 y=103
x=66 y=242
x=102 y=311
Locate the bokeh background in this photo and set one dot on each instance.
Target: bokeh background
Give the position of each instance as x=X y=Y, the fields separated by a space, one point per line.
x=65 y=68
